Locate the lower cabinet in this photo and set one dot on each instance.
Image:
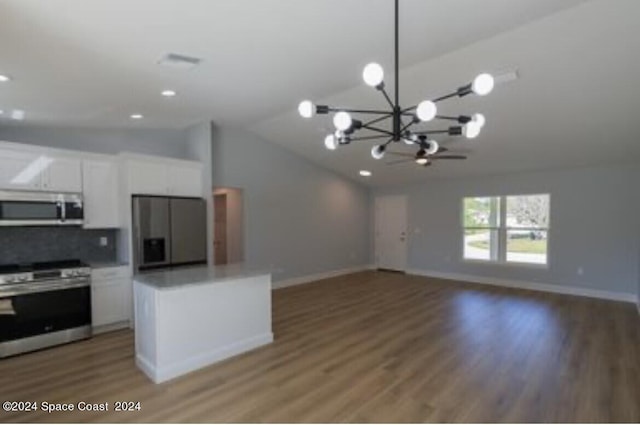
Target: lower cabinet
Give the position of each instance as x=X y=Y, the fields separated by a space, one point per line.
x=111 y=298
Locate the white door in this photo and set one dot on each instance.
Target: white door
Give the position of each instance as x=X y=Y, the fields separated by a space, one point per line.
x=391 y=232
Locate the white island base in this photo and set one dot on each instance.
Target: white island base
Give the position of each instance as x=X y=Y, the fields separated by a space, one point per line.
x=188 y=319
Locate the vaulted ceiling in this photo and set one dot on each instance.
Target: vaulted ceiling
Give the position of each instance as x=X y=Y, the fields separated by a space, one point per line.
x=93 y=63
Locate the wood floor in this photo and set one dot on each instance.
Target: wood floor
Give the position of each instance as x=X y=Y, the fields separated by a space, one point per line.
x=373 y=347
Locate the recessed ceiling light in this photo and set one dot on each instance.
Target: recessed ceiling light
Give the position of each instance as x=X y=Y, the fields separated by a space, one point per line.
x=1 y=112
x=136 y=116
x=17 y=114
x=168 y=93
x=365 y=173
x=4 y=78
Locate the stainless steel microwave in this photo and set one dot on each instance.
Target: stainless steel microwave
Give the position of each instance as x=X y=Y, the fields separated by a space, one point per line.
x=40 y=209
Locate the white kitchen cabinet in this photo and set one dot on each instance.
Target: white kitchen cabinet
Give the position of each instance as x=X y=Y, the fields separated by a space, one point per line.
x=164 y=177
x=15 y=173
x=111 y=298
x=31 y=170
x=185 y=180
x=63 y=175
x=148 y=177
x=100 y=192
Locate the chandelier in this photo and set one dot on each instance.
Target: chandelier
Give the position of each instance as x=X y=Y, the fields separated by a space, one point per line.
x=402 y=120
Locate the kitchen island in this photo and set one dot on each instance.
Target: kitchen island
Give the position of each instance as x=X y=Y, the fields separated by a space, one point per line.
x=189 y=318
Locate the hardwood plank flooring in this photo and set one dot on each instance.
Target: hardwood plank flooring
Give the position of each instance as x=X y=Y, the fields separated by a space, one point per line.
x=372 y=347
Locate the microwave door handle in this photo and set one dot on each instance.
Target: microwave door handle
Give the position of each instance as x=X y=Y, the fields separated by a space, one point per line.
x=62 y=211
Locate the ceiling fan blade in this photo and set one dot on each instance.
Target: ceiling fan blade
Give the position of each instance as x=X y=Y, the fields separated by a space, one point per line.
x=400 y=161
x=448 y=157
x=441 y=149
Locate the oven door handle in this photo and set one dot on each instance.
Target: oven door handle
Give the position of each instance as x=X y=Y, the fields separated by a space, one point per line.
x=34 y=288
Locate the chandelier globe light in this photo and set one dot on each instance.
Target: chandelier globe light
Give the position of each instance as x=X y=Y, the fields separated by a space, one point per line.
x=402 y=122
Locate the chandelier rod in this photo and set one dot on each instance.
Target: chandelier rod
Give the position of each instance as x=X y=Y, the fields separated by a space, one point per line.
x=397 y=42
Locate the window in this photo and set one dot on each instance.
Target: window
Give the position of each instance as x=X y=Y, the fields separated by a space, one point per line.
x=507 y=229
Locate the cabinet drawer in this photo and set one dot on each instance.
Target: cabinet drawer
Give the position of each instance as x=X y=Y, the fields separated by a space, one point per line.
x=108 y=273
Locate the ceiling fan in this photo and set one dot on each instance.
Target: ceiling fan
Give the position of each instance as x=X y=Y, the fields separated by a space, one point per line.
x=429 y=150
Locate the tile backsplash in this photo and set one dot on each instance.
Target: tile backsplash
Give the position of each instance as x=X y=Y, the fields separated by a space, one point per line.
x=34 y=244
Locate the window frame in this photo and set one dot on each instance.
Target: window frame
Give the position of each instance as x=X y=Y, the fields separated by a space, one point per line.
x=502 y=231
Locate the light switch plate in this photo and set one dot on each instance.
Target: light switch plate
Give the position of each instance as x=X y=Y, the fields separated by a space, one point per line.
x=104 y=241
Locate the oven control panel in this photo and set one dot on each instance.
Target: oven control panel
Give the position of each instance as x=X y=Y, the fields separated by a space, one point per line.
x=15 y=278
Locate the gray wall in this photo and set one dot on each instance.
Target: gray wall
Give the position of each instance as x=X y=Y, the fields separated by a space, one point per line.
x=169 y=143
x=300 y=219
x=29 y=244
x=594 y=225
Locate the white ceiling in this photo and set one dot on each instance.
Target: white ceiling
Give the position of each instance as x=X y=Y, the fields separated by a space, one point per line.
x=92 y=63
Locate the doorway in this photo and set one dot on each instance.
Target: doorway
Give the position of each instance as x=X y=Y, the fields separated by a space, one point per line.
x=391 y=232
x=228 y=226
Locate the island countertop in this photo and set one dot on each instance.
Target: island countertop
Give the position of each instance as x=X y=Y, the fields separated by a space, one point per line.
x=197 y=275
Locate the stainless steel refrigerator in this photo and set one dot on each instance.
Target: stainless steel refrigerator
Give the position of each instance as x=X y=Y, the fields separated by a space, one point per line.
x=168 y=232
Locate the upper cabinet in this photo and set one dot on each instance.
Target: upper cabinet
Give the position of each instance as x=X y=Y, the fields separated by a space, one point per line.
x=155 y=176
x=185 y=180
x=15 y=173
x=63 y=175
x=147 y=177
x=100 y=192
x=31 y=170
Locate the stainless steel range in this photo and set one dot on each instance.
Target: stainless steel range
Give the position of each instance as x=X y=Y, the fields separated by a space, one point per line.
x=43 y=304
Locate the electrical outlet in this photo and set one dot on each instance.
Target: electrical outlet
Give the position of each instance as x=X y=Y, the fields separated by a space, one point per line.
x=104 y=241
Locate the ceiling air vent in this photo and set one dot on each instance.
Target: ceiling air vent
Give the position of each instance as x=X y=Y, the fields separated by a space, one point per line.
x=174 y=60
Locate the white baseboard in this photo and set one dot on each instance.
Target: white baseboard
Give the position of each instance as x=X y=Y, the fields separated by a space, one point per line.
x=97 y=330
x=533 y=286
x=318 y=276
x=165 y=373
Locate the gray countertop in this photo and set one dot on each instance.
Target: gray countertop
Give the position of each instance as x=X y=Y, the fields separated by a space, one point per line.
x=174 y=278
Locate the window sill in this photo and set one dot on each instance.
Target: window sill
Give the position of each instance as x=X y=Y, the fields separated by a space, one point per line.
x=509 y=264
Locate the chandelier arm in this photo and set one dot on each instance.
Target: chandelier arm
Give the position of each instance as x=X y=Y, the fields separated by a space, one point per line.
x=445 y=97
x=427 y=132
x=368 y=137
x=357 y=111
x=387 y=115
x=386 y=96
x=379 y=130
x=406 y=126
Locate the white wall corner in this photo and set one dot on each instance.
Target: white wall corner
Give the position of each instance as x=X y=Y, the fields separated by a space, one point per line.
x=533 y=286
x=319 y=276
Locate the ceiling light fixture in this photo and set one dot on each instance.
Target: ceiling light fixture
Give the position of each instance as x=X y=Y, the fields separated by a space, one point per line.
x=168 y=93
x=365 y=173
x=4 y=78
x=136 y=116
x=402 y=119
x=17 y=114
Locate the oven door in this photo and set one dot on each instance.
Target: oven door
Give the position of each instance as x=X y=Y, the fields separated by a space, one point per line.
x=31 y=309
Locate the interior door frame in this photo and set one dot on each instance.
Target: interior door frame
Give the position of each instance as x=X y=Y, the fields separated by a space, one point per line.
x=376 y=224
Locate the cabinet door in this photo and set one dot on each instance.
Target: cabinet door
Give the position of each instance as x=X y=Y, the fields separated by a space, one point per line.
x=100 y=191
x=185 y=180
x=147 y=178
x=63 y=175
x=21 y=171
x=108 y=302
